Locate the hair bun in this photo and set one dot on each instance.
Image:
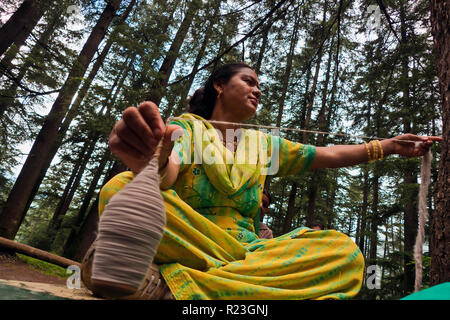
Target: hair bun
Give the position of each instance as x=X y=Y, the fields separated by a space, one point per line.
x=196 y=100
x=199 y=105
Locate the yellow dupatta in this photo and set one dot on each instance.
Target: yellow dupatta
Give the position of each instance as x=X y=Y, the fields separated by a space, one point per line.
x=229 y=172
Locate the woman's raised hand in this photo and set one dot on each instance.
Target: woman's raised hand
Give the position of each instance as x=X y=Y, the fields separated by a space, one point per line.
x=135 y=137
x=410 y=145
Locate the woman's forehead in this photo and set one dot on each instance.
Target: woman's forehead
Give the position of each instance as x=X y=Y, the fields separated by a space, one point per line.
x=248 y=72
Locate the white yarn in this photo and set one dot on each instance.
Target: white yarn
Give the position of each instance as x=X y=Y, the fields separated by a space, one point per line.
x=425 y=173
x=130 y=230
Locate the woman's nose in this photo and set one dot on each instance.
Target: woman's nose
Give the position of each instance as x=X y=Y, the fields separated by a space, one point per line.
x=257 y=92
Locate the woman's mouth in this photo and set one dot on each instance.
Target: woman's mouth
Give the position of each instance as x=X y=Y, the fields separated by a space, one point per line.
x=254 y=102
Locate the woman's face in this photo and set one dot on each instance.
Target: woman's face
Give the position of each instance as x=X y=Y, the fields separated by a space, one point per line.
x=240 y=95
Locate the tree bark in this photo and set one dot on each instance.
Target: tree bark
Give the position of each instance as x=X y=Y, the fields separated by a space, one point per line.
x=410 y=171
x=311 y=96
x=11 y=215
x=287 y=225
x=7 y=100
x=440 y=235
x=158 y=87
x=198 y=58
x=18 y=28
x=263 y=47
x=287 y=72
x=86 y=201
x=374 y=220
x=319 y=175
x=72 y=186
x=88 y=231
x=13 y=246
x=365 y=205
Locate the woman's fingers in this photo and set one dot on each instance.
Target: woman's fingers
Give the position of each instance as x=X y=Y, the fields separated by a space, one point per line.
x=127 y=137
x=125 y=152
x=413 y=145
x=171 y=134
x=150 y=114
x=136 y=135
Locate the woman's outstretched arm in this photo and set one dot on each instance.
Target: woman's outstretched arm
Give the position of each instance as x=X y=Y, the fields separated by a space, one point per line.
x=339 y=156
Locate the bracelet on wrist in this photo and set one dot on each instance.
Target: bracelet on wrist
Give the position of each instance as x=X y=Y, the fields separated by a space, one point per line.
x=377 y=150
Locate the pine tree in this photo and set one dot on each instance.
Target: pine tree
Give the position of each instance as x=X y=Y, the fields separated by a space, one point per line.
x=12 y=213
x=440 y=266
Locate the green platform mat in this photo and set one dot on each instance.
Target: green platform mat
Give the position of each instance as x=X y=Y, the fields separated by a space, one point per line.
x=15 y=293
x=438 y=292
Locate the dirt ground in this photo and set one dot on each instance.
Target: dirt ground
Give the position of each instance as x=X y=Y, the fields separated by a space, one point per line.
x=15 y=272
x=12 y=268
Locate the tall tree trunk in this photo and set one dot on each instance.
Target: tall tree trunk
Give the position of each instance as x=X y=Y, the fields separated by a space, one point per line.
x=374 y=219
x=286 y=77
x=86 y=201
x=86 y=155
x=287 y=225
x=62 y=130
x=53 y=19
x=364 y=210
x=410 y=226
x=158 y=87
x=325 y=109
x=11 y=215
x=198 y=58
x=331 y=200
x=311 y=95
x=440 y=235
x=7 y=100
x=287 y=70
x=409 y=174
x=319 y=175
x=18 y=28
x=263 y=47
x=64 y=203
x=88 y=231
x=385 y=252
x=305 y=99
x=86 y=235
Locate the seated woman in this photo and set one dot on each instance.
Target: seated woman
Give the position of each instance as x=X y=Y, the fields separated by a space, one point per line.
x=191 y=235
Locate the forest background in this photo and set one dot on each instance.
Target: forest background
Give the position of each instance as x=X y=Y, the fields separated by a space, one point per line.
x=355 y=67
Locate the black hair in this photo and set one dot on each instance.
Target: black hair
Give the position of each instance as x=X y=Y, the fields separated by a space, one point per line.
x=203 y=100
x=317 y=223
x=268 y=195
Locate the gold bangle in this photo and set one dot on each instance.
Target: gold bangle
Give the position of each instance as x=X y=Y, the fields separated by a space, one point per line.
x=374 y=154
x=368 y=151
x=381 y=150
x=374 y=151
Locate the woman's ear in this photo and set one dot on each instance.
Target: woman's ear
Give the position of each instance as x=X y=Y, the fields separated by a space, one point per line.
x=218 y=88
